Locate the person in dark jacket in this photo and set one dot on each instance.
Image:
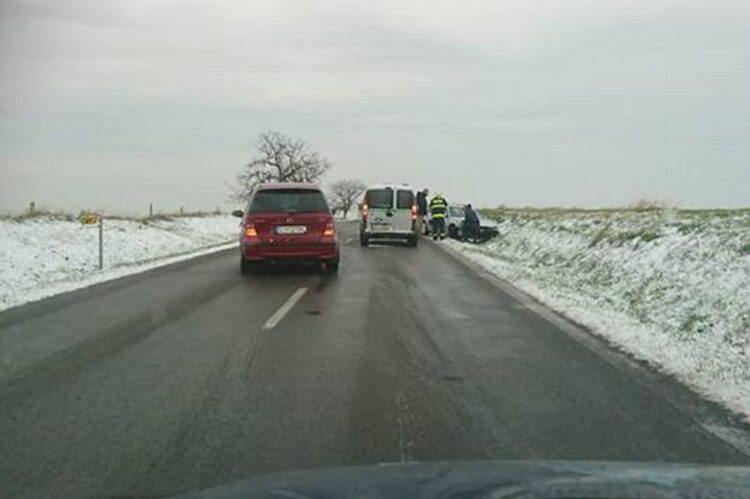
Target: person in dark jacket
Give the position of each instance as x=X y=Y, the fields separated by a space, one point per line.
x=422 y=210
x=471 y=224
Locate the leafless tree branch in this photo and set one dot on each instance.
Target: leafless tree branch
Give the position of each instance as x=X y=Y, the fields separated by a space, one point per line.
x=279 y=159
x=345 y=194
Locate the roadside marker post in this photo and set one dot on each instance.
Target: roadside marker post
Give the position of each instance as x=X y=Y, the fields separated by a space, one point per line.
x=98 y=220
x=101 y=243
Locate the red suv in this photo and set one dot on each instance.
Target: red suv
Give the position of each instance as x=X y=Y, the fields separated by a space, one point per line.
x=287 y=222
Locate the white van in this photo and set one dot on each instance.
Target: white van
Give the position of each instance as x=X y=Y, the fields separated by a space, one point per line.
x=389 y=212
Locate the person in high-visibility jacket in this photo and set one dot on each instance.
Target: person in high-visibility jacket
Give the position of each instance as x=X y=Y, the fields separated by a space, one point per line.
x=438 y=210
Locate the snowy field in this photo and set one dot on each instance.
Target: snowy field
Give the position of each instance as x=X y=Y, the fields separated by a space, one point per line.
x=670 y=287
x=43 y=256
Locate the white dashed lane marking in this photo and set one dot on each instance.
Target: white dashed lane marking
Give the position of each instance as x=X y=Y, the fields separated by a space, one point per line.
x=279 y=315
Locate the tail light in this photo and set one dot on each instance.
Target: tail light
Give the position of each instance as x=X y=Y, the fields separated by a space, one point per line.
x=414 y=212
x=365 y=212
x=250 y=231
x=329 y=233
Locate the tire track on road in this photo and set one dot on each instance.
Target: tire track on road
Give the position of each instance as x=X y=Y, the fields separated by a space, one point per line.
x=49 y=372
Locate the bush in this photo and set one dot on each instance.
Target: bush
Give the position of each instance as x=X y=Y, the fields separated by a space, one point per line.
x=648 y=205
x=43 y=213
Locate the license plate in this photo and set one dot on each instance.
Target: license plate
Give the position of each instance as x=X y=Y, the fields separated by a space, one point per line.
x=384 y=226
x=291 y=229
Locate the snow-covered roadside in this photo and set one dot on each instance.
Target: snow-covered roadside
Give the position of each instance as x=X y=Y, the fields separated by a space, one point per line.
x=672 y=288
x=42 y=257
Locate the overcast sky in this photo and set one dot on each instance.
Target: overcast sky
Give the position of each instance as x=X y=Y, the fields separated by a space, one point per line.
x=113 y=105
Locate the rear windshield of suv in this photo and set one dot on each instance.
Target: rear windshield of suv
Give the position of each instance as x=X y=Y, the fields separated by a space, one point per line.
x=405 y=200
x=288 y=201
x=457 y=212
x=379 y=198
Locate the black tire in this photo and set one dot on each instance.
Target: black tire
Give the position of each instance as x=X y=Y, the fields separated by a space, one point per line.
x=244 y=266
x=332 y=267
x=249 y=267
x=412 y=241
x=364 y=241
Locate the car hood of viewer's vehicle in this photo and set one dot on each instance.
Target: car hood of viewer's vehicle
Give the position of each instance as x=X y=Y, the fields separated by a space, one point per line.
x=496 y=479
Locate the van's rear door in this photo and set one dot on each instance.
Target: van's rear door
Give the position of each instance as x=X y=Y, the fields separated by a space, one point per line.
x=402 y=218
x=380 y=204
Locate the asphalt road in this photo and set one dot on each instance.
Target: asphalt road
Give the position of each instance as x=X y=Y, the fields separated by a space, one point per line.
x=188 y=376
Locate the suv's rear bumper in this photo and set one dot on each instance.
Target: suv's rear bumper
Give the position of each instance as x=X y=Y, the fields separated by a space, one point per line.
x=312 y=252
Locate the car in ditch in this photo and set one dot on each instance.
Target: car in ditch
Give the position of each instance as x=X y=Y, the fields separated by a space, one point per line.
x=454 y=223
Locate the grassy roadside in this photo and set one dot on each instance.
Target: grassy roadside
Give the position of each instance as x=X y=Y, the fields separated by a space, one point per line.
x=670 y=286
x=631 y=226
x=61 y=215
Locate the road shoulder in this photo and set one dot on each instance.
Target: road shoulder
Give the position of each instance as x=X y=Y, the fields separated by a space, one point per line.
x=710 y=416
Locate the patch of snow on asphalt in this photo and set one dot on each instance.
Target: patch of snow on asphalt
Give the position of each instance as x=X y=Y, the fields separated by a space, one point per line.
x=672 y=288
x=41 y=257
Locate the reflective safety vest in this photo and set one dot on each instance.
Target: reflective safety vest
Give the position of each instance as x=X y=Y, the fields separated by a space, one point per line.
x=438 y=207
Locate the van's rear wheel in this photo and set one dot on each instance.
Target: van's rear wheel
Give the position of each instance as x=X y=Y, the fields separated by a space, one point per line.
x=364 y=241
x=412 y=241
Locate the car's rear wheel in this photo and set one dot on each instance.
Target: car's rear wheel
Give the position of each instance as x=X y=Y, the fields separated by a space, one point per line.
x=332 y=267
x=249 y=267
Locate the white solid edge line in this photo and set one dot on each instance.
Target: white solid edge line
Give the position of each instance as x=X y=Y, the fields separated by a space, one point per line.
x=274 y=320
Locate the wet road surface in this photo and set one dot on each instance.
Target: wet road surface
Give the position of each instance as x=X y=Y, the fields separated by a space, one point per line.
x=192 y=375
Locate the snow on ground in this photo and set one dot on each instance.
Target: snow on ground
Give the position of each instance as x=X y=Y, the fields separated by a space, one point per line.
x=41 y=256
x=670 y=287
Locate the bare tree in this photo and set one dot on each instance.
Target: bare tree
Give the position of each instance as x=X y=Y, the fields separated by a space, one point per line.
x=345 y=193
x=280 y=159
